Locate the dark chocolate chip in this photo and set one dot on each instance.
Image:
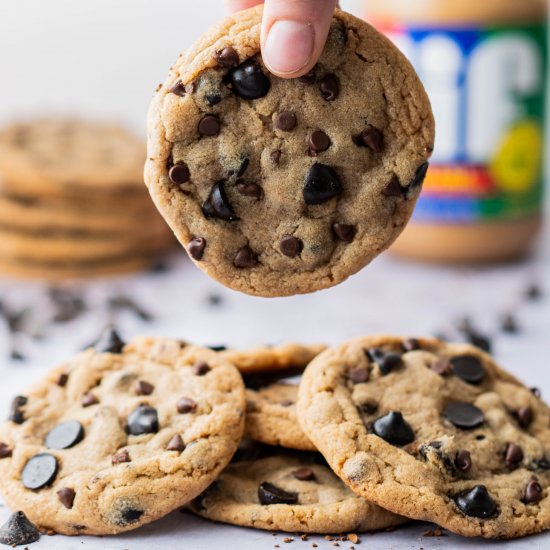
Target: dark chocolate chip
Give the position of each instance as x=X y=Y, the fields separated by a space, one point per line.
x=309 y=78
x=271 y=494
x=411 y=344
x=16 y=414
x=5 y=451
x=442 y=367
x=476 y=502
x=143 y=420
x=252 y=190
x=39 y=471
x=89 y=399
x=227 y=57
x=200 y=368
x=509 y=324
x=176 y=444
x=480 y=437
x=248 y=80
x=464 y=415
x=463 y=460
x=186 y=405
x=359 y=375
x=218 y=348
x=218 y=206
x=419 y=176
x=209 y=126
x=65 y=435
x=318 y=142
x=109 y=342
x=524 y=416
x=513 y=455
x=536 y=392
x=196 y=248
x=330 y=87
x=343 y=232
x=533 y=491
x=18 y=530
x=543 y=463
x=121 y=457
x=387 y=361
x=179 y=174
x=243 y=168
x=62 y=380
x=276 y=157
x=291 y=246
x=304 y=474
x=469 y=368
x=285 y=121
x=144 y=388
x=129 y=516
x=479 y=340
x=245 y=258
x=393 y=188
x=66 y=496
x=394 y=429
x=212 y=99
x=368 y=407
x=371 y=138
x=322 y=184
x=178 y=88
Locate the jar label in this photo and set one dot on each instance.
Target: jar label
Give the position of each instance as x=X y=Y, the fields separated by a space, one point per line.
x=488 y=91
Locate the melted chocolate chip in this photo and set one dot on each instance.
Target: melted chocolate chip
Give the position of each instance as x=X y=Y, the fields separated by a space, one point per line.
x=176 y=444
x=394 y=429
x=143 y=420
x=16 y=414
x=393 y=188
x=318 y=142
x=476 y=502
x=209 y=126
x=66 y=496
x=291 y=246
x=109 y=342
x=245 y=258
x=248 y=80
x=121 y=457
x=271 y=494
x=252 y=190
x=358 y=375
x=524 y=416
x=218 y=206
x=18 y=530
x=200 y=368
x=330 y=87
x=371 y=138
x=469 y=368
x=442 y=367
x=463 y=460
x=464 y=415
x=304 y=474
x=533 y=491
x=186 y=405
x=179 y=174
x=5 y=451
x=178 y=89
x=65 y=435
x=39 y=471
x=513 y=455
x=321 y=185
x=196 y=248
x=62 y=380
x=227 y=57
x=89 y=399
x=144 y=388
x=286 y=121
x=344 y=233
x=387 y=361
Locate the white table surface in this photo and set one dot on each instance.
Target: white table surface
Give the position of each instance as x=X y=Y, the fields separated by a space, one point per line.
x=391 y=295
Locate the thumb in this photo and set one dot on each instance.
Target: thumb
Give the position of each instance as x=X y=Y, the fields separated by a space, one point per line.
x=294 y=33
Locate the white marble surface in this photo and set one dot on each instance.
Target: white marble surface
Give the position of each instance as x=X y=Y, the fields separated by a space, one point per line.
x=390 y=296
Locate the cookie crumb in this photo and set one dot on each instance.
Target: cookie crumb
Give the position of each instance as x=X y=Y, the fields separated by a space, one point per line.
x=288 y=540
x=352 y=537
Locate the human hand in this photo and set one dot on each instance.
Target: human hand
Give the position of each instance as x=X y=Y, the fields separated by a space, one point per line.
x=294 y=32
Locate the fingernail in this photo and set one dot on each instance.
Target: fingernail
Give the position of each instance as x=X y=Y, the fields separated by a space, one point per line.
x=289 y=46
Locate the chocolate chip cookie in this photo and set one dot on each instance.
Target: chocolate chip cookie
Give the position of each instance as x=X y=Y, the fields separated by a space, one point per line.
x=120 y=436
x=278 y=187
x=432 y=431
x=292 y=493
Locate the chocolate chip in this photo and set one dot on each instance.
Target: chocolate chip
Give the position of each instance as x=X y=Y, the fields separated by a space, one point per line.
x=344 y=233
x=176 y=444
x=212 y=99
x=227 y=57
x=393 y=188
x=533 y=491
x=39 y=471
x=245 y=258
x=463 y=460
x=513 y=455
x=394 y=429
x=304 y=474
x=309 y=78
x=89 y=399
x=244 y=167
x=62 y=379
x=271 y=494
x=371 y=138
x=387 y=361
x=209 y=126
x=536 y=392
x=16 y=414
x=218 y=206
x=65 y=435
x=524 y=416
x=411 y=344
x=464 y=415
x=291 y=246
x=476 y=502
x=248 y=80
x=121 y=457
x=200 y=368
x=66 y=496
x=129 y=516
x=286 y=403
x=368 y=407
x=330 y=87
x=144 y=388
x=285 y=121
x=196 y=248
x=109 y=342
x=179 y=174
x=469 y=368
x=318 y=142
x=479 y=340
x=252 y=190
x=419 y=176
x=359 y=375
x=322 y=184
x=186 y=405
x=442 y=367
x=18 y=530
x=276 y=157
x=543 y=463
x=178 y=88
x=509 y=324
x=143 y=420
x=5 y=451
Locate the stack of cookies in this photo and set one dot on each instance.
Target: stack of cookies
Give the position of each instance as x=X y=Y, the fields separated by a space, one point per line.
x=378 y=431
x=73 y=203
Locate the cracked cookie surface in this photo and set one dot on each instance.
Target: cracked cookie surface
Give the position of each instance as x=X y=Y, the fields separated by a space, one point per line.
x=112 y=440
x=278 y=187
x=432 y=431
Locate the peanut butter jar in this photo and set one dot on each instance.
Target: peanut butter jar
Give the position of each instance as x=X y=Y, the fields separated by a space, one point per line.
x=484 y=65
